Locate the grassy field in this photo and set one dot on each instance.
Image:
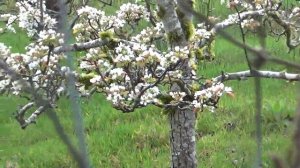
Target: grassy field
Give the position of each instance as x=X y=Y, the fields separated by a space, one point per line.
x=225 y=138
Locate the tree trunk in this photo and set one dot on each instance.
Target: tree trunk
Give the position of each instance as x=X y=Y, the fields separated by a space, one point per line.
x=182 y=138
x=182 y=119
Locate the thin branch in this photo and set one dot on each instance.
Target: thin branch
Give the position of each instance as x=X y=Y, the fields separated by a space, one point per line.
x=243 y=38
x=218 y=28
x=48 y=59
x=258 y=62
x=177 y=104
x=243 y=75
x=40 y=101
x=33 y=116
x=258 y=119
x=21 y=112
x=288 y=31
x=80 y=46
x=42 y=12
x=232 y=19
x=74 y=94
x=283 y=62
x=63 y=136
x=151 y=16
x=182 y=85
x=296 y=138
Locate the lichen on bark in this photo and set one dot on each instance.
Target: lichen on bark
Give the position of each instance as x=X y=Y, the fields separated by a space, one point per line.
x=182 y=119
x=186 y=24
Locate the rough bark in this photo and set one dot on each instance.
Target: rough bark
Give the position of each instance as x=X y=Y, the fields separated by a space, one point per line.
x=183 y=138
x=171 y=22
x=182 y=119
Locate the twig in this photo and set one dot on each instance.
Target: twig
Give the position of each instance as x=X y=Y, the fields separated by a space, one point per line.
x=243 y=38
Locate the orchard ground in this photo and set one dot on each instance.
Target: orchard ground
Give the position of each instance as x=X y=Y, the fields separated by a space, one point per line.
x=225 y=138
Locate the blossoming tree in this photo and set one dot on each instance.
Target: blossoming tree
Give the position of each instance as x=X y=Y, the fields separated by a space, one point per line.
x=136 y=57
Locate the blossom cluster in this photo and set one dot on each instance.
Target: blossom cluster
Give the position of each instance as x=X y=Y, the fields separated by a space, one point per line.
x=132 y=64
x=4 y=51
x=10 y=20
x=38 y=66
x=31 y=18
x=96 y=20
x=177 y=96
x=93 y=21
x=132 y=13
x=133 y=73
x=202 y=35
x=132 y=70
x=177 y=54
x=149 y=34
x=209 y=96
x=250 y=24
x=251 y=5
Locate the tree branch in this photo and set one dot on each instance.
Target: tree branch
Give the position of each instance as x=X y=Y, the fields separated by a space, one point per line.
x=243 y=75
x=287 y=26
x=235 y=18
x=21 y=112
x=80 y=46
x=33 y=116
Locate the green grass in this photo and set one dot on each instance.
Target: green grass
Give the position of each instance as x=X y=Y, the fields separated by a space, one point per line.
x=225 y=138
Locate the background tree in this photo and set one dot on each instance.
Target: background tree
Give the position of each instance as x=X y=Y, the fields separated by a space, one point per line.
x=135 y=68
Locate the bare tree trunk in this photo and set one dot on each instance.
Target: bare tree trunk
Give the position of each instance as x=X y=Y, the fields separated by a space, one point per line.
x=182 y=119
x=182 y=138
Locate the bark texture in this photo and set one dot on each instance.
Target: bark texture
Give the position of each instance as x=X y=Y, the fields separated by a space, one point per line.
x=182 y=119
x=171 y=22
x=183 y=138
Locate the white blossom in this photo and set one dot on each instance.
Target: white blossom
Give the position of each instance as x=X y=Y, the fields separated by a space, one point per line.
x=117 y=73
x=132 y=12
x=96 y=79
x=178 y=96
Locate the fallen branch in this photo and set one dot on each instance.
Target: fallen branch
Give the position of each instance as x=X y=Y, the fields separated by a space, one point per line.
x=243 y=75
